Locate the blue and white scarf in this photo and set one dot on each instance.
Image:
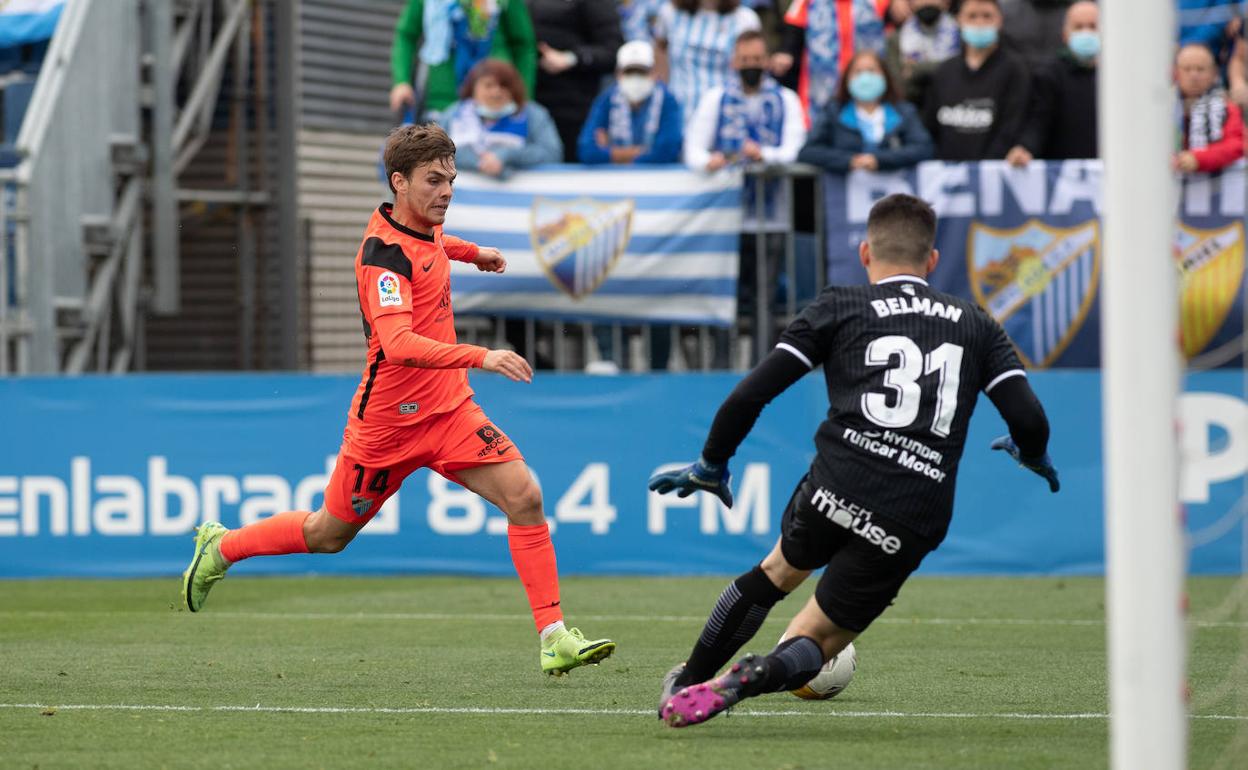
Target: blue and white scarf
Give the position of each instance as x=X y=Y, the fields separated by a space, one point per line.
x=447 y=31
x=469 y=129
x=763 y=122
x=823 y=45
x=738 y=122
x=620 y=118
x=918 y=46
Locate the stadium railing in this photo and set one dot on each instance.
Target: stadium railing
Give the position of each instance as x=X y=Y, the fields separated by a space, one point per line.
x=72 y=231
x=14 y=326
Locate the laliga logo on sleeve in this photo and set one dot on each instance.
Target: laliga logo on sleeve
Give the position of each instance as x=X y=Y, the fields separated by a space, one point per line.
x=388 y=290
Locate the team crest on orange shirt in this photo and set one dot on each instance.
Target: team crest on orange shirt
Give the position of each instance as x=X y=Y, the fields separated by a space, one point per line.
x=1211 y=268
x=1038 y=281
x=577 y=242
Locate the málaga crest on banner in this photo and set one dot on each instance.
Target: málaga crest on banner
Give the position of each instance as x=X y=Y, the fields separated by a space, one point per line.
x=1037 y=280
x=577 y=242
x=1211 y=265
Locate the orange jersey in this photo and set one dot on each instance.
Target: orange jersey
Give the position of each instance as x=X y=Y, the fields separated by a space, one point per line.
x=399 y=270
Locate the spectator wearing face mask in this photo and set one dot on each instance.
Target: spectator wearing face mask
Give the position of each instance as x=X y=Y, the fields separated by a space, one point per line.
x=820 y=37
x=1061 y=120
x=930 y=36
x=872 y=128
x=1213 y=128
x=751 y=120
x=496 y=129
x=636 y=120
x=977 y=102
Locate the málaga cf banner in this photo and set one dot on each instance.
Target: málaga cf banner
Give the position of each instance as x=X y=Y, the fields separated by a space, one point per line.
x=641 y=245
x=1025 y=243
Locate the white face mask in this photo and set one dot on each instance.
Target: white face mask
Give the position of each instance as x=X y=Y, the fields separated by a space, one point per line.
x=636 y=88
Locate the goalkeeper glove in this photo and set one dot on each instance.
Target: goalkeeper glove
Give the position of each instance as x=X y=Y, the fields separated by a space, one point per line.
x=702 y=475
x=1042 y=466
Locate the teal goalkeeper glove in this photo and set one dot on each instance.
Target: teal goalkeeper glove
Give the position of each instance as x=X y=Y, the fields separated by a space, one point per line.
x=1042 y=466
x=702 y=475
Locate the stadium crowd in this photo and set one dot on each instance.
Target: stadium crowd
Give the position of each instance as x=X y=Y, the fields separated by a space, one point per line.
x=841 y=84
x=837 y=84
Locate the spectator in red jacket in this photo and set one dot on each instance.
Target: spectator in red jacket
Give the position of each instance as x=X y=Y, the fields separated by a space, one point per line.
x=1213 y=129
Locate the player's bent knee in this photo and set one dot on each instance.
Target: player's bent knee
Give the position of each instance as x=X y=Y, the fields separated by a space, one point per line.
x=782 y=575
x=324 y=533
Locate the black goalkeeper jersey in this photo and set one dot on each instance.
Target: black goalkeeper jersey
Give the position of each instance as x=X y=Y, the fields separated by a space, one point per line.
x=904 y=366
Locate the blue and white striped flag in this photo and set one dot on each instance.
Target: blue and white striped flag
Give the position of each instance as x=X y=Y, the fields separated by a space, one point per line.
x=642 y=245
x=28 y=21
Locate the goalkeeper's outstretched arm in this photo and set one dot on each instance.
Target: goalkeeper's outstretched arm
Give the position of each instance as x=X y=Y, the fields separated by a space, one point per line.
x=1023 y=414
x=1028 y=441
x=737 y=415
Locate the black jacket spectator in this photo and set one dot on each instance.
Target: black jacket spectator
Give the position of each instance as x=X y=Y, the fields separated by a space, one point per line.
x=1061 y=122
x=836 y=139
x=977 y=114
x=588 y=30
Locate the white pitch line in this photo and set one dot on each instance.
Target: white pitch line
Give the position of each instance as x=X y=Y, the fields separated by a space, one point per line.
x=509 y=617
x=490 y=711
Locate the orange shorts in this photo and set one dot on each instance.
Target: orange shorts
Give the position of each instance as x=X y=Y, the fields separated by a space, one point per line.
x=373 y=460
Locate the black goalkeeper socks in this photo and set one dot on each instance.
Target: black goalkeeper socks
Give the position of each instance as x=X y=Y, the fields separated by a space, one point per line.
x=792 y=664
x=739 y=613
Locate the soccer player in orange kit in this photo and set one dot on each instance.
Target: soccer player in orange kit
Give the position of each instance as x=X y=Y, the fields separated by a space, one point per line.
x=413 y=408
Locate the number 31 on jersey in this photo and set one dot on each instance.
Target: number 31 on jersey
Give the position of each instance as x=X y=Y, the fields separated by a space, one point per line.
x=903 y=381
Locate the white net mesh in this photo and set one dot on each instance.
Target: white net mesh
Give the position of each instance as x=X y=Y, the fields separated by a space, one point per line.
x=1213 y=435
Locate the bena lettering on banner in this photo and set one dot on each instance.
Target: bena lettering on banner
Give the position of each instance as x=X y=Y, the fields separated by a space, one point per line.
x=1025 y=244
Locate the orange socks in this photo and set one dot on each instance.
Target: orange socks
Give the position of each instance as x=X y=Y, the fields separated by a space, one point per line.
x=275 y=535
x=531 y=551
x=534 y=557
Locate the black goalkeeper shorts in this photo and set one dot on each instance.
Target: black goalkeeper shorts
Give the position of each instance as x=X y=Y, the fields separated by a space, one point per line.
x=868 y=556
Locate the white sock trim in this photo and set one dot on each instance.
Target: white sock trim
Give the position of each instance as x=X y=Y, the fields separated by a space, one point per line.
x=552 y=628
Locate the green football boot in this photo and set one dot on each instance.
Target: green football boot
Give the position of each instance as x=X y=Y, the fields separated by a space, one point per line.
x=206 y=568
x=566 y=649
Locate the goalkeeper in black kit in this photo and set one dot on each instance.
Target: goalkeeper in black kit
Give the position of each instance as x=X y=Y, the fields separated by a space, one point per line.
x=904 y=366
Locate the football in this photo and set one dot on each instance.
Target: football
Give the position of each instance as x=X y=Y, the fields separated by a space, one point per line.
x=833 y=678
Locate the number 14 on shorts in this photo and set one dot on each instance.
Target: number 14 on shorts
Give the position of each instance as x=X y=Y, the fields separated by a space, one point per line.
x=377 y=486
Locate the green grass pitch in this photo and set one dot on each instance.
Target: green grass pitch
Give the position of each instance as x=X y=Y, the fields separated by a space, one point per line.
x=443 y=672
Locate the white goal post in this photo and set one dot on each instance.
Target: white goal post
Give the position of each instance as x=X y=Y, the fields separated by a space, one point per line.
x=1144 y=546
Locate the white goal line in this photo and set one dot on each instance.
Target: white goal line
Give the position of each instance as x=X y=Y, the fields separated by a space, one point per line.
x=490 y=711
